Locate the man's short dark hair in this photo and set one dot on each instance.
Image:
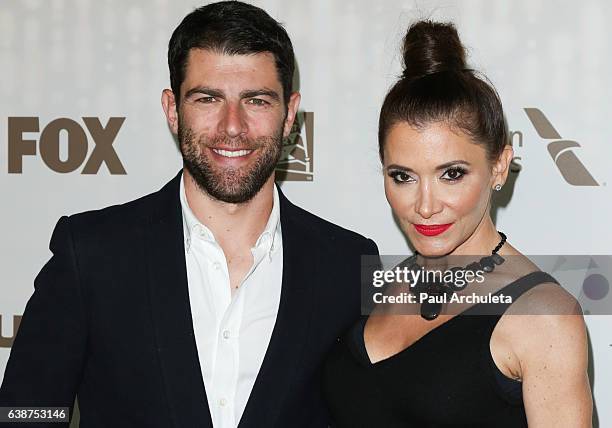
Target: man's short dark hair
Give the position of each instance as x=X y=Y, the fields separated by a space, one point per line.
x=230 y=28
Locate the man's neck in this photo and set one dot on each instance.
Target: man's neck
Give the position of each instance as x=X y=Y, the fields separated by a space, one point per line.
x=233 y=225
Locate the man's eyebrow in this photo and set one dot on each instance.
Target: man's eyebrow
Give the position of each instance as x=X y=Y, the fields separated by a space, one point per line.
x=438 y=168
x=204 y=90
x=250 y=93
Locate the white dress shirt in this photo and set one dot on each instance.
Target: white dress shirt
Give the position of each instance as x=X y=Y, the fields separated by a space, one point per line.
x=232 y=332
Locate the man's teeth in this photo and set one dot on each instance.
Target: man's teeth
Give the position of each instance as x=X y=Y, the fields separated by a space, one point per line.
x=232 y=154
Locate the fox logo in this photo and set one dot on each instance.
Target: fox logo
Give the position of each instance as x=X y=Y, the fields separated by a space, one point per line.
x=571 y=168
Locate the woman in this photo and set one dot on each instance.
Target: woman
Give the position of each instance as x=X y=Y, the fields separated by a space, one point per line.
x=442 y=139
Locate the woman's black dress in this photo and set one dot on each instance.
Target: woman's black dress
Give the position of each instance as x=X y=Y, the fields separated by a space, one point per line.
x=445 y=379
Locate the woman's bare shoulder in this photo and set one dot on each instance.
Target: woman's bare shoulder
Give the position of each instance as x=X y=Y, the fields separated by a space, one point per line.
x=544 y=319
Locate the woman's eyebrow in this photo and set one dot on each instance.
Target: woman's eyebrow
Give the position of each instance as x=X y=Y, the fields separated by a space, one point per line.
x=438 y=168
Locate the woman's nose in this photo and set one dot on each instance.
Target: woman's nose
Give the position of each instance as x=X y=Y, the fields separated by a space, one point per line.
x=427 y=203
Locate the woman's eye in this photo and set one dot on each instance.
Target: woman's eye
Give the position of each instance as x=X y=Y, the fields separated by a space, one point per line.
x=400 y=176
x=454 y=174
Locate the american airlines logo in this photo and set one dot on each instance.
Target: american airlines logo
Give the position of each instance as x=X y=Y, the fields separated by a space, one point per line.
x=561 y=151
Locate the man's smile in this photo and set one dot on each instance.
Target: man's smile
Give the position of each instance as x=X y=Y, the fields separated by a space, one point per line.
x=232 y=153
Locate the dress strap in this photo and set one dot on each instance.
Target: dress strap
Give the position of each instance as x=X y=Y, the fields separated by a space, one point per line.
x=515 y=290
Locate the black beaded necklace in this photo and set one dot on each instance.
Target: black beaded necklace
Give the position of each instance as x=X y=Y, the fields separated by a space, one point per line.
x=430 y=309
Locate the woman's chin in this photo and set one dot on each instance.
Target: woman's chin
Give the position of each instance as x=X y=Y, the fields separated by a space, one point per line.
x=431 y=249
x=433 y=253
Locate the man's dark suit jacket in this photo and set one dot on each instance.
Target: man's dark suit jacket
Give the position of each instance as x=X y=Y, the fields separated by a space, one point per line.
x=110 y=321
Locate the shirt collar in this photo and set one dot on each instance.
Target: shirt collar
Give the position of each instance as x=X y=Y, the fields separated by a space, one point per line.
x=269 y=239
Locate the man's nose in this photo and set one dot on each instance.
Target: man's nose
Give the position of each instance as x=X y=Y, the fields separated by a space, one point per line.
x=427 y=203
x=233 y=121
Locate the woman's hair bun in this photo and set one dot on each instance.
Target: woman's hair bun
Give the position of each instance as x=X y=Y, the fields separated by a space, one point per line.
x=432 y=47
x=436 y=87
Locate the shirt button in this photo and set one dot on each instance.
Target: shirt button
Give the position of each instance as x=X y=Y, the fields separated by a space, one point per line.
x=222 y=402
x=200 y=230
x=226 y=334
x=217 y=265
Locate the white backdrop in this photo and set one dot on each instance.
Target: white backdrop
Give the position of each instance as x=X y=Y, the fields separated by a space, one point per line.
x=107 y=58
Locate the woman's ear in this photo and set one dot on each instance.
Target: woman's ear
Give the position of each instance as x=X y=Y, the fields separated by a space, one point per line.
x=502 y=166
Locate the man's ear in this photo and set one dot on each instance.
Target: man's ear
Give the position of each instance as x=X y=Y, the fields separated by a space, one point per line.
x=292 y=109
x=502 y=166
x=169 y=105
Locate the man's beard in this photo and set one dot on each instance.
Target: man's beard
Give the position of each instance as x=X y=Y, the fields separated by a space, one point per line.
x=229 y=184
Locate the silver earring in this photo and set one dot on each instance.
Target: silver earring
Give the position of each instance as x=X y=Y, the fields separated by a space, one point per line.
x=498 y=187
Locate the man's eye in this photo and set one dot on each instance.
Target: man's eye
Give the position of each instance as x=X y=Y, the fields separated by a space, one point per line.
x=257 y=102
x=400 y=176
x=454 y=174
x=206 y=100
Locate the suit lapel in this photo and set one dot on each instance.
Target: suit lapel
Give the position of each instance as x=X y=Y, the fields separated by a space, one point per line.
x=171 y=312
x=286 y=347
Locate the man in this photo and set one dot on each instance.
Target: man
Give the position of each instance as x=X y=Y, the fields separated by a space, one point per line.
x=214 y=300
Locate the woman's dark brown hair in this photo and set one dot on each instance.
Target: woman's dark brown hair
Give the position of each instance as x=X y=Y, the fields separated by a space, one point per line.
x=437 y=86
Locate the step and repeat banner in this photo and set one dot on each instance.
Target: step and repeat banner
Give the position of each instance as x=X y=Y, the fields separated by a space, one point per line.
x=81 y=124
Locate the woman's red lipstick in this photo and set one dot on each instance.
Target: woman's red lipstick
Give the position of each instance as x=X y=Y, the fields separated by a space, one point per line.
x=431 y=230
